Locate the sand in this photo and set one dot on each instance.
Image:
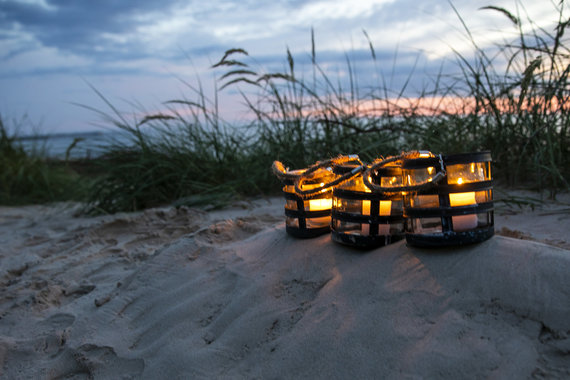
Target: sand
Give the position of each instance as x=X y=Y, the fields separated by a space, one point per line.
x=183 y=293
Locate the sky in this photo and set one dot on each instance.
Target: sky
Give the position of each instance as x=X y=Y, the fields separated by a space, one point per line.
x=138 y=54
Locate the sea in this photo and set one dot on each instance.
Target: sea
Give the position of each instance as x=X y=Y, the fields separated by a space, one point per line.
x=76 y=145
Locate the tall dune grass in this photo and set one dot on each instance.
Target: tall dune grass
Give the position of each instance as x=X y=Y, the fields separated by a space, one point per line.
x=523 y=111
x=27 y=178
x=514 y=102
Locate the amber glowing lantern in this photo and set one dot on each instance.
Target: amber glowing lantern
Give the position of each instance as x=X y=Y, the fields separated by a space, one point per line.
x=308 y=216
x=457 y=210
x=363 y=218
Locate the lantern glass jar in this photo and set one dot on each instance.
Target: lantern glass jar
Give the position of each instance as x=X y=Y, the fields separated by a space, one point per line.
x=363 y=218
x=456 y=211
x=309 y=216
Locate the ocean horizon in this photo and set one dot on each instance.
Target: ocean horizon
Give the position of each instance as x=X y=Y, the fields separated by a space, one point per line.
x=75 y=145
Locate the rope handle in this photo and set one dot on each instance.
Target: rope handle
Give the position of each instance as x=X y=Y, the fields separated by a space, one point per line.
x=327 y=164
x=283 y=173
x=396 y=189
x=279 y=170
x=345 y=177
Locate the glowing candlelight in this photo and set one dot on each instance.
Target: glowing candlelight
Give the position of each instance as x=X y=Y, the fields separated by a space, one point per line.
x=385 y=210
x=458 y=209
x=320 y=204
x=306 y=218
x=364 y=217
x=365 y=227
x=463 y=222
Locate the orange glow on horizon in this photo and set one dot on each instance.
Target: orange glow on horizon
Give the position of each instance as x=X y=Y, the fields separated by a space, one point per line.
x=419 y=106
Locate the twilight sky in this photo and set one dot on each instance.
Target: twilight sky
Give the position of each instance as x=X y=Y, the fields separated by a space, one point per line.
x=138 y=53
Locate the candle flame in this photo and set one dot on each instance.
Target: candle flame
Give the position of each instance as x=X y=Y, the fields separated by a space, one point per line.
x=320 y=204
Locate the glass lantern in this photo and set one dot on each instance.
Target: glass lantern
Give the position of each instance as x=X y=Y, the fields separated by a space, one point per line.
x=456 y=211
x=311 y=216
x=366 y=219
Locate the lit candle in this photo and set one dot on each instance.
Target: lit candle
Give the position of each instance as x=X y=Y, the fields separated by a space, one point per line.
x=365 y=227
x=385 y=210
x=463 y=222
x=458 y=209
x=320 y=204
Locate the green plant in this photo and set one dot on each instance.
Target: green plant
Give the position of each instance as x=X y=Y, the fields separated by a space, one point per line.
x=523 y=110
x=512 y=101
x=185 y=156
x=29 y=178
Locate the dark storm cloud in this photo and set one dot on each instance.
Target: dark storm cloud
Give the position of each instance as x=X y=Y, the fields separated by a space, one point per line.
x=79 y=26
x=105 y=31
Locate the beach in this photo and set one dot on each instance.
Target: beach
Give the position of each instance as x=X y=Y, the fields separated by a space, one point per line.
x=192 y=293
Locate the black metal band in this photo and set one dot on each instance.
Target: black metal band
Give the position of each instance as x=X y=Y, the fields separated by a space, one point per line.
x=365 y=242
x=295 y=197
x=361 y=195
x=450 y=238
x=307 y=214
x=452 y=159
x=411 y=212
x=464 y=187
x=367 y=219
x=307 y=232
x=421 y=163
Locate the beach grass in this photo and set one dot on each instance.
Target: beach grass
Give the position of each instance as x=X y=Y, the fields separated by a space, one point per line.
x=29 y=177
x=512 y=99
x=520 y=92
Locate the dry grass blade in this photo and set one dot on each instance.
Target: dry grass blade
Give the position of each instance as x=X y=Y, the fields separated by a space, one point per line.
x=510 y=16
x=149 y=118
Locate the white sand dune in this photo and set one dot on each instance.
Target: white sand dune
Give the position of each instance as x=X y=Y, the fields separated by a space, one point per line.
x=181 y=293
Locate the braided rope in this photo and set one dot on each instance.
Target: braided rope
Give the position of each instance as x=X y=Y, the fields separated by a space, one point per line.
x=396 y=189
x=300 y=178
x=345 y=177
x=279 y=170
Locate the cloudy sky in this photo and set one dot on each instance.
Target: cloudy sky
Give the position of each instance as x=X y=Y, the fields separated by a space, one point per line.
x=139 y=53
